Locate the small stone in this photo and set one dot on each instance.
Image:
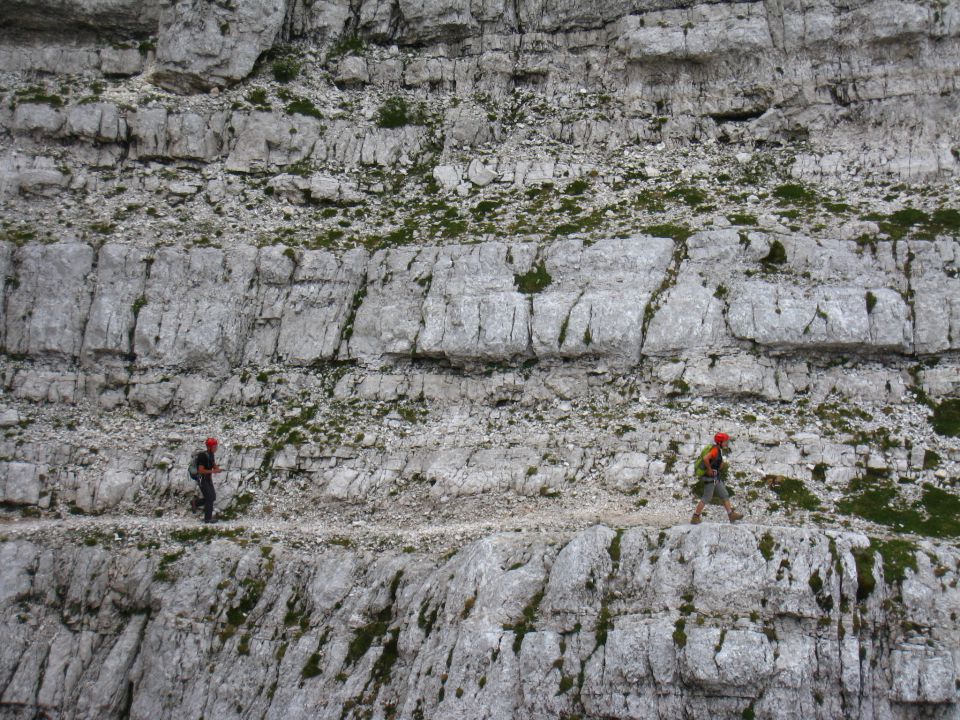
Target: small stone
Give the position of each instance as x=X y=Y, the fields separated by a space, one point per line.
x=9 y=418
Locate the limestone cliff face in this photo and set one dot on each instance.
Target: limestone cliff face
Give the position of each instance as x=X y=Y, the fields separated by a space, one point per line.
x=606 y=624
x=715 y=293
x=461 y=286
x=871 y=84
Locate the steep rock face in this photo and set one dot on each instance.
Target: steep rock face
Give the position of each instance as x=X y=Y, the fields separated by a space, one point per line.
x=870 y=84
x=213 y=310
x=203 y=45
x=64 y=15
x=604 y=624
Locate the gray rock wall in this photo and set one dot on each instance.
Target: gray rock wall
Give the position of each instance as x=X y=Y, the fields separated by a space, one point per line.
x=635 y=624
x=212 y=310
x=870 y=84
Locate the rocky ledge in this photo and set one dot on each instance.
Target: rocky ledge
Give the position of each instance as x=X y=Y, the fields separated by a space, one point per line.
x=718 y=620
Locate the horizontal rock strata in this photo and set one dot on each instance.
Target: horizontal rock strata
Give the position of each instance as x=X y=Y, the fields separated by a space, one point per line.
x=211 y=310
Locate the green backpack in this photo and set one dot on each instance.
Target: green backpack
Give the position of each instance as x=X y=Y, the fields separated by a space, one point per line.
x=700 y=465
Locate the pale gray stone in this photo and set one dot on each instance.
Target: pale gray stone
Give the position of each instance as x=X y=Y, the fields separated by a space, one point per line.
x=117 y=300
x=202 y=45
x=37 y=118
x=351 y=71
x=46 y=311
x=448 y=176
x=319 y=305
x=479 y=174
x=324 y=188
x=122 y=61
x=22 y=482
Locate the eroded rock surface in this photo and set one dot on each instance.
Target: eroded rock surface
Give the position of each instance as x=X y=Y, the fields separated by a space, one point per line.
x=602 y=624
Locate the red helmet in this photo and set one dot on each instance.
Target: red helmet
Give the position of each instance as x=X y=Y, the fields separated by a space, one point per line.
x=211 y=442
x=721 y=438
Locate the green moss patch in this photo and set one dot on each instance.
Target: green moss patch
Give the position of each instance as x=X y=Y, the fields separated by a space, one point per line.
x=676 y=232
x=898 y=556
x=679 y=633
x=239 y=506
x=533 y=281
x=396 y=113
x=526 y=622
x=866 y=581
x=777 y=254
x=365 y=636
x=767 y=545
x=614 y=550
x=918 y=223
x=303 y=106
x=946 y=418
x=876 y=498
x=795 y=194
x=793 y=493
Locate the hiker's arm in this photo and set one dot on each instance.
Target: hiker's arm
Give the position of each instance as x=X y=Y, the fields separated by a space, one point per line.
x=208 y=471
x=711 y=470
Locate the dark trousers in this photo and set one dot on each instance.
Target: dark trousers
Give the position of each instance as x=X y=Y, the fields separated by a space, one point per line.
x=209 y=495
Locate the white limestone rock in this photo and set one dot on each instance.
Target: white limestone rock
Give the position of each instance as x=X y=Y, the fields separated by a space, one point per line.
x=390 y=317
x=319 y=305
x=47 y=308
x=352 y=71
x=828 y=317
x=473 y=308
x=22 y=482
x=517 y=618
x=597 y=297
x=118 y=298
x=479 y=174
x=37 y=118
x=324 y=188
x=449 y=176
x=197 y=310
x=202 y=45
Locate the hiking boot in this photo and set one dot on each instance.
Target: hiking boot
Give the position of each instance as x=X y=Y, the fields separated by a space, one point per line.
x=212 y=521
x=734 y=516
x=696 y=519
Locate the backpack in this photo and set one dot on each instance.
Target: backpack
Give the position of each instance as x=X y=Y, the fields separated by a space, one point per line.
x=700 y=465
x=193 y=469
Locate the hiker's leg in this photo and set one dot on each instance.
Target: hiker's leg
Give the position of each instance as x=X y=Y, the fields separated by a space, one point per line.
x=209 y=495
x=725 y=496
x=708 y=487
x=707 y=494
x=721 y=491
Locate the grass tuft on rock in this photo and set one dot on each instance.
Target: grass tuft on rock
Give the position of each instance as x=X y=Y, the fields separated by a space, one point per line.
x=794 y=493
x=533 y=281
x=946 y=418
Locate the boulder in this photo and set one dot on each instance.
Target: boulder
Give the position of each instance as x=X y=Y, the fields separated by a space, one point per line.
x=201 y=45
x=352 y=71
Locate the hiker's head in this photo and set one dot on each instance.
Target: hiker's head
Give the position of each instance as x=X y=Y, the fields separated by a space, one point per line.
x=211 y=444
x=721 y=439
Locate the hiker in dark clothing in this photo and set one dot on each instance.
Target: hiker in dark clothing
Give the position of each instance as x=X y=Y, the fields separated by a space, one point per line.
x=708 y=468
x=206 y=467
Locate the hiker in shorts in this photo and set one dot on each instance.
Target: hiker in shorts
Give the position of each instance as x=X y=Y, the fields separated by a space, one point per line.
x=710 y=468
x=206 y=467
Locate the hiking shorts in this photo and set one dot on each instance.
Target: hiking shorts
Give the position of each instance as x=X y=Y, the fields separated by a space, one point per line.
x=711 y=485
